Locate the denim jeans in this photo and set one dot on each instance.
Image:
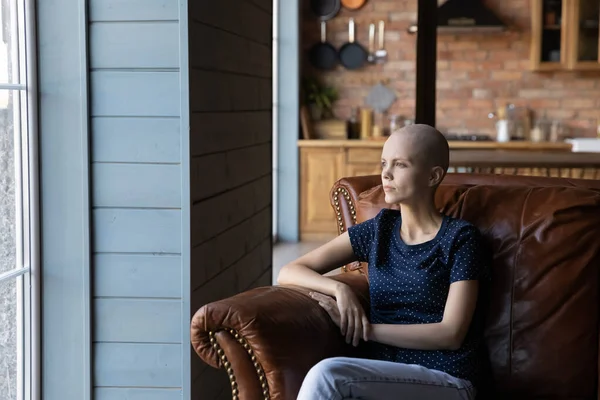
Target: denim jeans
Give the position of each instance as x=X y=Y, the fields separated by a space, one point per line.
x=356 y=378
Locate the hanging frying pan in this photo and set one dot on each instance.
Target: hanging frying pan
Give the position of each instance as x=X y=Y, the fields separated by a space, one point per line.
x=325 y=9
x=323 y=55
x=352 y=54
x=353 y=4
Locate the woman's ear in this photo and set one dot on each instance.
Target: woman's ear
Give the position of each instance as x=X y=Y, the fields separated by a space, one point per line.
x=436 y=176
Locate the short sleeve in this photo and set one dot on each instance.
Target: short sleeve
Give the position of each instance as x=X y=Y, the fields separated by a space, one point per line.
x=362 y=236
x=470 y=260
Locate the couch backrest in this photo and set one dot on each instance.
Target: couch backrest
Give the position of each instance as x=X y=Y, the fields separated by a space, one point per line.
x=542 y=329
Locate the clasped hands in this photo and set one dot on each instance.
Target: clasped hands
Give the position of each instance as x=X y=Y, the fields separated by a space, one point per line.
x=347 y=313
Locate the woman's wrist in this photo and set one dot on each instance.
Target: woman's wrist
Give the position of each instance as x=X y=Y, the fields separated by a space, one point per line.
x=340 y=288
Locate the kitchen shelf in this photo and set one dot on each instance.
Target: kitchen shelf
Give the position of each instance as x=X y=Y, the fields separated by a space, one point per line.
x=565 y=35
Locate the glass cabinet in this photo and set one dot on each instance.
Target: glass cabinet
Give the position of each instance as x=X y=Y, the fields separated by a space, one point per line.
x=565 y=35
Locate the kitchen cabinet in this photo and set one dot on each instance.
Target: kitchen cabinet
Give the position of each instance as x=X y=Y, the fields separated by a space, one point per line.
x=565 y=35
x=585 y=35
x=319 y=169
x=322 y=162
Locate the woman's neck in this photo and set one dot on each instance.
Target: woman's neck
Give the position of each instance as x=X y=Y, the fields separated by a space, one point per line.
x=420 y=222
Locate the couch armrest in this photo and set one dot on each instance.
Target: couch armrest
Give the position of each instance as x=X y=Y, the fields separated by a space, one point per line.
x=268 y=338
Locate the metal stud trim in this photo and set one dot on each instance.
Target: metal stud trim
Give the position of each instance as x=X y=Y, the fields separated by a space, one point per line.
x=338 y=213
x=227 y=365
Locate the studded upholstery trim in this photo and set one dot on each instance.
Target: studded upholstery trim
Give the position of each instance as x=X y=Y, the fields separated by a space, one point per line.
x=340 y=191
x=227 y=365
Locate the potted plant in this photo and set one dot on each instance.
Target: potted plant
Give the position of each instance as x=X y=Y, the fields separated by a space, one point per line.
x=319 y=98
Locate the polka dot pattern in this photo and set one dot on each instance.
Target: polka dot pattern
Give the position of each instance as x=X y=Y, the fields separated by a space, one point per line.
x=409 y=284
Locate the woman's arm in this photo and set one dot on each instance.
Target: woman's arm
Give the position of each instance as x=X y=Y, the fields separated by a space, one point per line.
x=445 y=335
x=307 y=271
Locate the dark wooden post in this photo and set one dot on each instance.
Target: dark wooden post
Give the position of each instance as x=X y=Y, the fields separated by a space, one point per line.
x=426 y=62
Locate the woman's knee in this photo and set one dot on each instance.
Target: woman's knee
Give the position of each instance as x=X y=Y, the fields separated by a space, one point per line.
x=329 y=369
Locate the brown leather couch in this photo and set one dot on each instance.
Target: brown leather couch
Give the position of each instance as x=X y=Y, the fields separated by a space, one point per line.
x=542 y=330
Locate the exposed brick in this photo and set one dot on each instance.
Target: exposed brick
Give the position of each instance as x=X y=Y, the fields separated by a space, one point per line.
x=480 y=103
x=477 y=77
x=388 y=6
x=590 y=114
x=400 y=65
x=536 y=93
x=496 y=44
x=507 y=75
x=462 y=45
x=482 y=94
x=492 y=67
x=544 y=103
x=577 y=104
x=409 y=16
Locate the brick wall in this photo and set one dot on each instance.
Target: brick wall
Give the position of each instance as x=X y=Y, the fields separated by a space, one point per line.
x=476 y=72
x=230 y=141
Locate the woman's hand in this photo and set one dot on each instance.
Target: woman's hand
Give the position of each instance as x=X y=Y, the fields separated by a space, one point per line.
x=328 y=303
x=347 y=313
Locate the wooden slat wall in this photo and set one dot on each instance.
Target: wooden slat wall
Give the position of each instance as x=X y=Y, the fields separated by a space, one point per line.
x=136 y=197
x=230 y=139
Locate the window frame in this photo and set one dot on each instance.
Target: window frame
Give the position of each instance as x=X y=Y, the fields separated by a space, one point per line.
x=27 y=271
x=63 y=121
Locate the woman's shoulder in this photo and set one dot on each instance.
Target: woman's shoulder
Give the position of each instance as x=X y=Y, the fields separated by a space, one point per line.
x=460 y=228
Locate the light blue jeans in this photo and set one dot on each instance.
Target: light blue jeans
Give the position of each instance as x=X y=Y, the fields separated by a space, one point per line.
x=356 y=378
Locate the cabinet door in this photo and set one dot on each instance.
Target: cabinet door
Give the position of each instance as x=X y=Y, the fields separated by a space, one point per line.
x=549 y=34
x=363 y=162
x=363 y=169
x=584 y=41
x=319 y=169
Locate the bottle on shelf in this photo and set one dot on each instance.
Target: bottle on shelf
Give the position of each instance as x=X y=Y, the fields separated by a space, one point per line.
x=502 y=126
x=366 y=123
x=354 y=124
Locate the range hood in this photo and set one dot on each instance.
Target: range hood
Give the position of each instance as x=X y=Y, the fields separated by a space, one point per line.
x=466 y=16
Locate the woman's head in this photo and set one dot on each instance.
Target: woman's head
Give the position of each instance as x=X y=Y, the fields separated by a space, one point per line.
x=414 y=161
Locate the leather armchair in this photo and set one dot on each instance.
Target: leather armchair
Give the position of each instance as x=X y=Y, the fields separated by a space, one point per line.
x=542 y=332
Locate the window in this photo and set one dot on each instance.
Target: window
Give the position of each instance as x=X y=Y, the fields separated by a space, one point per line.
x=18 y=205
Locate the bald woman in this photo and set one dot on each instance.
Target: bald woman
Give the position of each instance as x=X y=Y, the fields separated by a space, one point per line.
x=423 y=337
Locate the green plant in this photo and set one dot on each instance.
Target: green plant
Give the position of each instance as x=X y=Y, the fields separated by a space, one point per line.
x=319 y=98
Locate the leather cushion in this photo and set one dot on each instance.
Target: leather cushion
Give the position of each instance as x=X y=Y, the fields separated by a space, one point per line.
x=542 y=332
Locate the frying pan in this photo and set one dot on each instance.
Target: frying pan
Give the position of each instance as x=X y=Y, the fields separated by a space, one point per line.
x=323 y=55
x=352 y=54
x=353 y=4
x=325 y=9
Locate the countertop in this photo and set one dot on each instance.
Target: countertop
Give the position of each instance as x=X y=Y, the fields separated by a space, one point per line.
x=484 y=154
x=454 y=145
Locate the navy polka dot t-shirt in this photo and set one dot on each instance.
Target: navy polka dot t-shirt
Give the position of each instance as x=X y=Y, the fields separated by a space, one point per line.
x=409 y=284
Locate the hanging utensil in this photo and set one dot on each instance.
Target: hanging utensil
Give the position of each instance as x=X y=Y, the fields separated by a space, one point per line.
x=381 y=53
x=380 y=98
x=323 y=55
x=352 y=54
x=353 y=4
x=371 y=56
x=325 y=9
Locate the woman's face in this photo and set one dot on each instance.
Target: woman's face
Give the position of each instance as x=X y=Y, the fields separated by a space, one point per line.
x=405 y=176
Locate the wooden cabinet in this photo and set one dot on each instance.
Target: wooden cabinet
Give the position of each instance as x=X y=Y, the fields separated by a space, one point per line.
x=361 y=161
x=565 y=35
x=319 y=169
x=322 y=162
x=585 y=35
